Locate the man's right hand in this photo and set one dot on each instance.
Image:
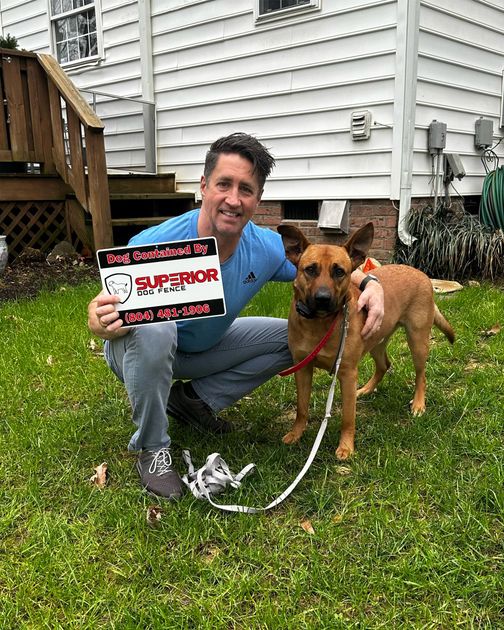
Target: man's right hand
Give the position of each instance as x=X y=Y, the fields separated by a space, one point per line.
x=103 y=319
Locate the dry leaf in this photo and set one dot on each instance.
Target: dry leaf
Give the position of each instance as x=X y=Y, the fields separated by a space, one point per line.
x=473 y=283
x=100 y=476
x=307 y=526
x=343 y=470
x=50 y=360
x=95 y=347
x=211 y=554
x=154 y=515
x=495 y=330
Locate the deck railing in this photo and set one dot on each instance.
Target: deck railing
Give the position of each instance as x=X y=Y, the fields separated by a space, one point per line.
x=44 y=119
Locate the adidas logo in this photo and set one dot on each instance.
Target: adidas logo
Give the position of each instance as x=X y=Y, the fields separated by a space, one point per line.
x=250 y=278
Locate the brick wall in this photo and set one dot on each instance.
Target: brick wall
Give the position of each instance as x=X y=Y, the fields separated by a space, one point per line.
x=382 y=213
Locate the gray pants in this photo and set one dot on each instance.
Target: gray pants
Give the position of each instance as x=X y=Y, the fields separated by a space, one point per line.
x=146 y=360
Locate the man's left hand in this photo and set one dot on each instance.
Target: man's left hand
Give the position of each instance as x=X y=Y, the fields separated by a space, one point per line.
x=372 y=300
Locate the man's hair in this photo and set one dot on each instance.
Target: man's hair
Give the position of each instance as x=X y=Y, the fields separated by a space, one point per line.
x=248 y=147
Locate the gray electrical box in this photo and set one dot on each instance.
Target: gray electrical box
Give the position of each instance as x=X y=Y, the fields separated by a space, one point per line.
x=437 y=137
x=483 y=133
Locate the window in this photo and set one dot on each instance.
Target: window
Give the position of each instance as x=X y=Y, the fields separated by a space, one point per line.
x=268 y=7
x=74 y=30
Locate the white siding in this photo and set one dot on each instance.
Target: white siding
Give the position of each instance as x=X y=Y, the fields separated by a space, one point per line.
x=28 y=22
x=461 y=59
x=293 y=83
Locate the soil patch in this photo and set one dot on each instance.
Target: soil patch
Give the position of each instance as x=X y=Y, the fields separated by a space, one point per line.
x=30 y=274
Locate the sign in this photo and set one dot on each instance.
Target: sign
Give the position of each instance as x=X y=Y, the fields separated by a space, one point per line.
x=164 y=282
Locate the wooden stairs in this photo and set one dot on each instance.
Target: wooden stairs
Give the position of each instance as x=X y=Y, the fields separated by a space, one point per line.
x=54 y=183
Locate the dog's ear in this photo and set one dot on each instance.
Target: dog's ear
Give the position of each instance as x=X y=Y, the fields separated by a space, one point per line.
x=359 y=244
x=294 y=242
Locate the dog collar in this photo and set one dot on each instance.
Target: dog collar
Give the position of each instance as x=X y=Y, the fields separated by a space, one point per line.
x=303 y=310
x=321 y=344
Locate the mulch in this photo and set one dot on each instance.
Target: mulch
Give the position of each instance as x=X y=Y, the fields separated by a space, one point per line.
x=31 y=273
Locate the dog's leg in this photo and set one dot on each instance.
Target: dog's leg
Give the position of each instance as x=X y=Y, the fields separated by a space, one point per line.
x=304 y=380
x=418 y=342
x=348 y=384
x=382 y=364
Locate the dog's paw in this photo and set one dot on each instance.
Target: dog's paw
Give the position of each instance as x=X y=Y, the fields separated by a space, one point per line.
x=417 y=409
x=344 y=451
x=291 y=438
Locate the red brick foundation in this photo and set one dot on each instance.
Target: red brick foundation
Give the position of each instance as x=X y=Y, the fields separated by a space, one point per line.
x=382 y=213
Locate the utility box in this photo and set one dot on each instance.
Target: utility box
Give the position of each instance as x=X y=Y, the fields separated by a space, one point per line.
x=437 y=137
x=483 y=133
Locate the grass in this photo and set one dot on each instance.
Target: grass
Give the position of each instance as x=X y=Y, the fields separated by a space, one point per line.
x=407 y=535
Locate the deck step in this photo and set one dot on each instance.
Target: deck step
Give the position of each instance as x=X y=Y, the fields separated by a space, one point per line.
x=140 y=220
x=151 y=195
x=141 y=184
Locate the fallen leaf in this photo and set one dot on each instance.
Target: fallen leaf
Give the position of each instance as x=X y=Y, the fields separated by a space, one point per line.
x=96 y=348
x=473 y=283
x=154 y=515
x=211 y=554
x=307 y=526
x=495 y=330
x=343 y=470
x=100 y=476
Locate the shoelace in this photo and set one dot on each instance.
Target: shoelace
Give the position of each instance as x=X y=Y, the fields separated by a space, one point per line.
x=161 y=462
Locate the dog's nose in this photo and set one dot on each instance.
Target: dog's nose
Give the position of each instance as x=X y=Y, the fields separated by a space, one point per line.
x=323 y=298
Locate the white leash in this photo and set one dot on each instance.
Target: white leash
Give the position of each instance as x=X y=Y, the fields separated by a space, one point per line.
x=214 y=477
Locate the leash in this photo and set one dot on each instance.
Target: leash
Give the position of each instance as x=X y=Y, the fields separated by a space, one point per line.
x=214 y=477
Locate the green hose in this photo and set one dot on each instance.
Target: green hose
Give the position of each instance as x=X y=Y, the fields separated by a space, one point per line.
x=491 y=208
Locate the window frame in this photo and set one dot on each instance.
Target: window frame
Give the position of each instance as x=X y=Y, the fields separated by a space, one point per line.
x=92 y=59
x=287 y=12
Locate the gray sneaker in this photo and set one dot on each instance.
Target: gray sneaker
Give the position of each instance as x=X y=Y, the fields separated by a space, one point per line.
x=185 y=406
x=157 y=474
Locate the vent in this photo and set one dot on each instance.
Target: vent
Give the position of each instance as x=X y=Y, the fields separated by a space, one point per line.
x=334 y=215
x=361 y=125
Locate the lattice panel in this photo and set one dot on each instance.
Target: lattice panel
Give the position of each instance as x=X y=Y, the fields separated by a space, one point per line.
x=39 y=225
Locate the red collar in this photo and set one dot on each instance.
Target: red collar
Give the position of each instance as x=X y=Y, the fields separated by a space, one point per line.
x=317 y=349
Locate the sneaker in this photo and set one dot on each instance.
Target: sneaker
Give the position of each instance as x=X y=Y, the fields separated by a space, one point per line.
x=185 y=406
x=157 y=475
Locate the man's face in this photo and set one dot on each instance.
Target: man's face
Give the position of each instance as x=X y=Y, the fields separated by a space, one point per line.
x=230 y=196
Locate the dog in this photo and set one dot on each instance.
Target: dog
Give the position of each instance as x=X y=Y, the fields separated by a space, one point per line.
x=321 y=288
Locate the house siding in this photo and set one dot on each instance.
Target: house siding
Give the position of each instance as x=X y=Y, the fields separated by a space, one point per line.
x=293 y=83
x=460 y=65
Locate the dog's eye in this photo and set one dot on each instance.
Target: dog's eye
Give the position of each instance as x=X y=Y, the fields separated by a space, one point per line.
x=338 y=272
x=311 y=270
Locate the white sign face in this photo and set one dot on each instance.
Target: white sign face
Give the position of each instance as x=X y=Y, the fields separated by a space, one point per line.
x=164 y=282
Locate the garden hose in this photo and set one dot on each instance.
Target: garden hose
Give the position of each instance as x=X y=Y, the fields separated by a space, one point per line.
x=491 y=208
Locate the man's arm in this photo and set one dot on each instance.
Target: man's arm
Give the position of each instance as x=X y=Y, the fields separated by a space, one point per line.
x=103 y=319
x=372 y=300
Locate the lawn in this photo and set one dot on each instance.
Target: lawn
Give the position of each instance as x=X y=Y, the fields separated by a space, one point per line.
x=408 y=534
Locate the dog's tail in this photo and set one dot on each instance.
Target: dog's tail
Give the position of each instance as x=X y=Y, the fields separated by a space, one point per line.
x=443 y=324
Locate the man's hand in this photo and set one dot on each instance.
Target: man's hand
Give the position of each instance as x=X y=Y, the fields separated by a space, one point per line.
x=372 y=300
x=103 y=319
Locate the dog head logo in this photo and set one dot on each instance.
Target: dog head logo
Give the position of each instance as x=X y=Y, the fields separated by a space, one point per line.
x=119 y=284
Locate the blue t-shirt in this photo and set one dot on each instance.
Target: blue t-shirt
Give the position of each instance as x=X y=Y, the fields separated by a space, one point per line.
x=259 y=258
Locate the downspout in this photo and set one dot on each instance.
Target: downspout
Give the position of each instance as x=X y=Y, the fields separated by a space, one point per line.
x=408 y=20
x=147 y=70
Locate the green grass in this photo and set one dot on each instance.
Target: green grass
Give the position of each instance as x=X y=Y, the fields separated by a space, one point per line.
x=411 y=538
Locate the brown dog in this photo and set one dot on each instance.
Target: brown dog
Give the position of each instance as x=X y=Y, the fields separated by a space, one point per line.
x=321 y=287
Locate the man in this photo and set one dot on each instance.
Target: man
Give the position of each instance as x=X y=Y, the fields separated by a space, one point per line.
x=221 y=359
